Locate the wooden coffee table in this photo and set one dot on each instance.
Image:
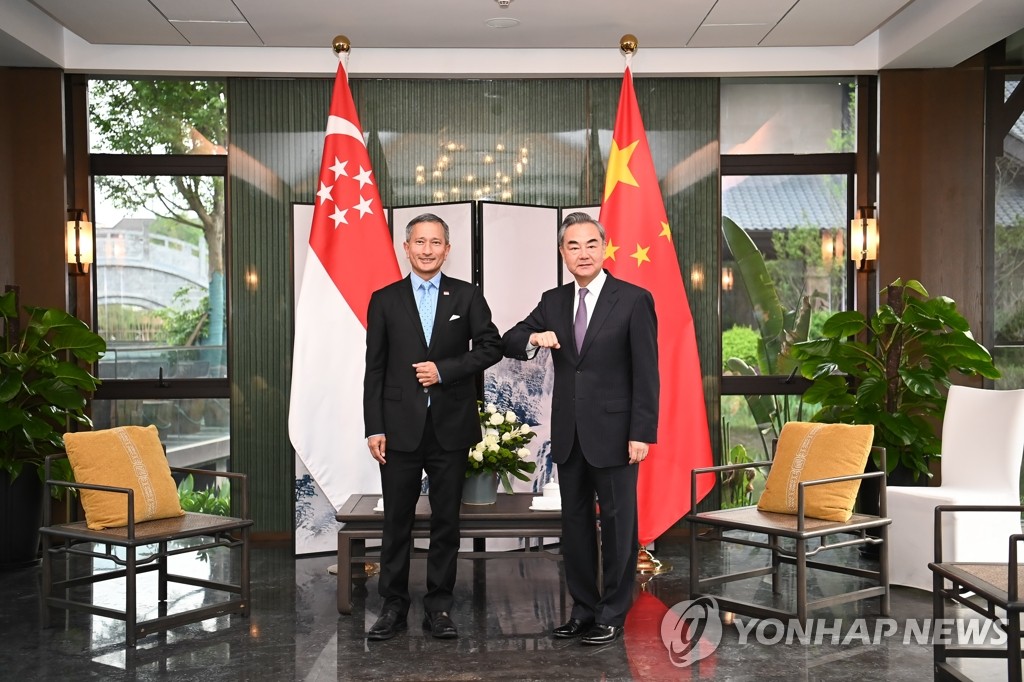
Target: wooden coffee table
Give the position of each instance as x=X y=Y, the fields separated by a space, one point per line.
x=509 y=517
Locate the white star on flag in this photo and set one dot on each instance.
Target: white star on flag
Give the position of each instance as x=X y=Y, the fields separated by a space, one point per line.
x=364 y=206
x=339 y=216
x=364 y=177
x=325 y=192
x=339 y=168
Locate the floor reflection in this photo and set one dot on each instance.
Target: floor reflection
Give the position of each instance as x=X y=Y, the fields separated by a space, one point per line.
x=504 y=609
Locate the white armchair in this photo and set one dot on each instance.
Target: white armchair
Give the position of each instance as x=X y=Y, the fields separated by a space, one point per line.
x=982 y=446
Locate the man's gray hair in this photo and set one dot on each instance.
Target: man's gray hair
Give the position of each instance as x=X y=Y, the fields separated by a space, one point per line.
x=427 y=218
x=577 y=218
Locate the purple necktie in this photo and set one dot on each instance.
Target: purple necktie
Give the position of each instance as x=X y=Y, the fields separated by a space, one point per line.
x=580 y=325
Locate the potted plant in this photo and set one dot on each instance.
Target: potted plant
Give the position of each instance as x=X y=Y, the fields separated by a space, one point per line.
x=43 y=390
x=502 y=453
x=897 y=379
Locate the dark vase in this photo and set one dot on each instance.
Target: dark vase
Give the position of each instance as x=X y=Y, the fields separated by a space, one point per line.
x=21 y=512
x=480 y=488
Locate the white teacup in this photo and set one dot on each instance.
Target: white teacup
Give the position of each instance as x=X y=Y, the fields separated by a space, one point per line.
x=547 y=503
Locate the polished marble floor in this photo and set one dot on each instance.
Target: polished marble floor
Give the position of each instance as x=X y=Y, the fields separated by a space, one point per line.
x=504 y=608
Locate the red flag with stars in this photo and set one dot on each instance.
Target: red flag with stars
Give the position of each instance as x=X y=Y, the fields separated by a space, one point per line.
x=350 y=256
x=641 y=250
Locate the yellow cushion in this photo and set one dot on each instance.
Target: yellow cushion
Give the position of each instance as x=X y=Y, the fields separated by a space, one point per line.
x=126 y=457
x=808 y=452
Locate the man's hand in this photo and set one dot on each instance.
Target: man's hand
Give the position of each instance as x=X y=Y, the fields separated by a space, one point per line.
x=638 y=451
x=376 y=445
x=426 y=373
x=544 y=340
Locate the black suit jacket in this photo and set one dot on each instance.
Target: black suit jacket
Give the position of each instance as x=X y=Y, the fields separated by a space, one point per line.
x=394 y=403
x=608 y=392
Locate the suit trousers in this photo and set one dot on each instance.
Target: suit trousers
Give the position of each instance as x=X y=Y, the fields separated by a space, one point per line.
x=401 y=482
x=615 y=488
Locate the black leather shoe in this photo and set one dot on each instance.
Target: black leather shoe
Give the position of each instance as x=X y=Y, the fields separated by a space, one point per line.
x=573 y=628
x=387 y=626
x=440 y=625
x=602 y=634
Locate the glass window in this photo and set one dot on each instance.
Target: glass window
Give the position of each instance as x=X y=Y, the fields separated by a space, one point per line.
x=194 y=430
x=1008 y=291
x=157 y=116
x=788 y=115
x=160 y=299
x=798 y=224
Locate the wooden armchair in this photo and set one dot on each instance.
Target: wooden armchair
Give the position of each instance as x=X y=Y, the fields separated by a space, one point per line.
x=982 y=587
x=76 y=548
x=800 y=532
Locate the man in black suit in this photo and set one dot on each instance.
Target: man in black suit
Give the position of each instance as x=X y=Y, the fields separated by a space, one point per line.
x=603 y=336
x=428 y=337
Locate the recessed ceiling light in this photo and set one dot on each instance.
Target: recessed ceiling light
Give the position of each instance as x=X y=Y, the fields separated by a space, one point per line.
x=502 y=22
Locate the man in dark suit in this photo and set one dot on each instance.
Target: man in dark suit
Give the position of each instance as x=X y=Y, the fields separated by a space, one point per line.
x=603 y=337
x=428 y=337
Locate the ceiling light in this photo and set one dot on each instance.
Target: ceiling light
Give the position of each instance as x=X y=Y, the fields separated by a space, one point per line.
x=502 y=22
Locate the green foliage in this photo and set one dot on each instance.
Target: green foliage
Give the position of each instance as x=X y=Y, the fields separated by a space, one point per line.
x=845 y=139
x=185 y=325
x=737 y=487
x=158 y=116
x=778 y=329
x=503 y=448
x=739 y=342
x=176 y=230
x=897 y=378
x=1008 y=292
x=43 y=385
x=214 y=500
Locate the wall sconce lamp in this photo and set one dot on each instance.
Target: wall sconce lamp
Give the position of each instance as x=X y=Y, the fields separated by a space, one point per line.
x=727 y=280
x=833 y=246
x=79 y=242
x=697 y=277
x=864 y=238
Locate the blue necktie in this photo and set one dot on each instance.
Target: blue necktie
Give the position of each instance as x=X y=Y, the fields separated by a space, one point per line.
x=580 y=324
x=426 y=308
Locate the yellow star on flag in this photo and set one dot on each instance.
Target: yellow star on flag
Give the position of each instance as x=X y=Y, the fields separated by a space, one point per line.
x=666 y=232
x=641 y=255
x=610 y=249
x=618 y=168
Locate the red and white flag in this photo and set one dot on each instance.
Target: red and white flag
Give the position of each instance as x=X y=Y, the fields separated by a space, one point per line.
x=350 y=256
x=641 y=250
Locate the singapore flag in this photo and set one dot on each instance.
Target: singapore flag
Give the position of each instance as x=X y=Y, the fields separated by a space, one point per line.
x=350 y=255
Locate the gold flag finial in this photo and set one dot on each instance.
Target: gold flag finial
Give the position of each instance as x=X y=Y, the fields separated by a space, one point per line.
x=628 y=44
x=341 y=44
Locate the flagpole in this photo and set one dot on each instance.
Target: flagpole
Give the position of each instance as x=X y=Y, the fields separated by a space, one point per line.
x=342 y=47
x=646 y=564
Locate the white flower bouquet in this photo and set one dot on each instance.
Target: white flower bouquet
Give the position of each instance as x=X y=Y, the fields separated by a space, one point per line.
x=503 y=449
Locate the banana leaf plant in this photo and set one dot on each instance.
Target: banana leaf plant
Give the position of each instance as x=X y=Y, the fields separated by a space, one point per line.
x=778 y=328
x=897 y=379
x=43 y=385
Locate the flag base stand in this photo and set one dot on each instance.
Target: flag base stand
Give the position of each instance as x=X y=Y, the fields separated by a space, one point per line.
x=371 y=569
x=646 y=564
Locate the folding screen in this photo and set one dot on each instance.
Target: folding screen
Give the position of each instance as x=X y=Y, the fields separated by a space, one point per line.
x=519 y=262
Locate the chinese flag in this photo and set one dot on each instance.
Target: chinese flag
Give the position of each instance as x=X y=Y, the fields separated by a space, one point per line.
x=350 y=256
x=641 y=250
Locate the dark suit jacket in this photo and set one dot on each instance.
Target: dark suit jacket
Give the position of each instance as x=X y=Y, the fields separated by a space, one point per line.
x=608 y=393
x=394 y=403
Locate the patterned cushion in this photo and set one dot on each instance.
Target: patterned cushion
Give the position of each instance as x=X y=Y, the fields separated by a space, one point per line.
x=125 y=457
x=809 y=452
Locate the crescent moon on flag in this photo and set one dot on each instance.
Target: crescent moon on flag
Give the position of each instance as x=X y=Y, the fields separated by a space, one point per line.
x=341 y=126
